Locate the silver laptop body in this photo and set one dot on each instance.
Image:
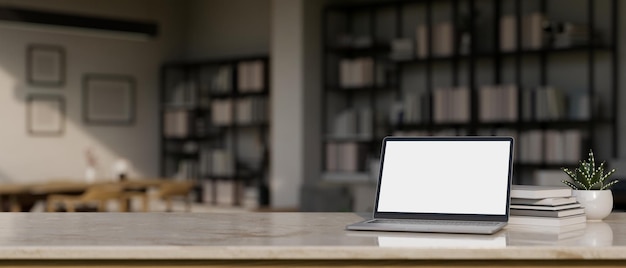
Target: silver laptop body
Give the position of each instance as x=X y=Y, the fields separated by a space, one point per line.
x=442 y=184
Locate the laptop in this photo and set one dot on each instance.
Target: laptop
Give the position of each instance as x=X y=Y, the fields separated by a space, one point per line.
x=442 y=184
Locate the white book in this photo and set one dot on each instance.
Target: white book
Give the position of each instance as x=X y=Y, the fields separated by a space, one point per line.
x=257 y=78
x=439 y=100
x=366 y=69
x=547 y=221
x=511 y=96
x=539 y=192
x=243 y=76
x=463 y=109
x=547 y=208
x=532 y=30
x=508 y=33
x=544 y=202
x=345 y=79
x=547 y=213
x=443 y=38
x=349 y=156
x=331 y=156
x=421 y=41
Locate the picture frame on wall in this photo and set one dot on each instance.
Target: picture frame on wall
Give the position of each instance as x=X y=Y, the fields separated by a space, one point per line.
x=108 y=99
x=45 y=115
x=45 y=65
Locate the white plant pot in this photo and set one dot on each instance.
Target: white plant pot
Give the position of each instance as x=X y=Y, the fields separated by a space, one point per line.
x=597 y=203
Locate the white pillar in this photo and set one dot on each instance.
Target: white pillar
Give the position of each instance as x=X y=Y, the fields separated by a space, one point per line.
x=287 y=97
x=296 y=89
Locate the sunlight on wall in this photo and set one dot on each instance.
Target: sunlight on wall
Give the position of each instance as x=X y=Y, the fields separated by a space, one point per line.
x=27 y=158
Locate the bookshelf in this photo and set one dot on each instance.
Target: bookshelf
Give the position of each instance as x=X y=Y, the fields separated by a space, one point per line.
x=527 y=69
x=215 y=122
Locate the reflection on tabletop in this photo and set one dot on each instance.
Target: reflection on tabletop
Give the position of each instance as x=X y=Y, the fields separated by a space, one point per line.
x=590 y=234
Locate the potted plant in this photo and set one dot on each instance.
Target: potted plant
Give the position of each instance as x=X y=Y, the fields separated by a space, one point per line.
x=591 y=188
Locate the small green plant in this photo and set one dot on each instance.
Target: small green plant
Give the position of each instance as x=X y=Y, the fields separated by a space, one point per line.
x=587 y=177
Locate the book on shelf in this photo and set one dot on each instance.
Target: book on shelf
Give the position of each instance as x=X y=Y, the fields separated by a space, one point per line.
x=421 y=41
x=533 y=35
x=250 y=76
x=539 y=192
x=547 y=221
x=451 y=105
x=222 y=112
x=508 y=33
x=498 y=103
x=176 y=123
x=443 y=39
x=547 y=213
x=345 y=157
x=358 y=72
x=550 y=201
x=251 y=110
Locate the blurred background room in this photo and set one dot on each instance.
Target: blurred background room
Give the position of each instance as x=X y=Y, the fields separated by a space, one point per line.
x=281 y=105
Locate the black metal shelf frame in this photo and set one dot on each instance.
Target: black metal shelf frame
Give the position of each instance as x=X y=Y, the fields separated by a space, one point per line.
x=469 y=60
x=214 y=133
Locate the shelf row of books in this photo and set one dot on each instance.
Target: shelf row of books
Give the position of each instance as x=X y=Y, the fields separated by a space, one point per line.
x=250 y=78
x=538 y=31
x=550 y=146
x=544 y=213
x=353 y=123
x=249 y=110
x=499 y=103
x=345 y=157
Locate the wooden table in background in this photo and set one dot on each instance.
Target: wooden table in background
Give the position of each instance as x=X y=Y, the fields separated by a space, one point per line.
x=39 y=191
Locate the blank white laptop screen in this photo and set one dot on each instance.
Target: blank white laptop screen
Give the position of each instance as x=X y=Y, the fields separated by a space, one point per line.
x=451 y=177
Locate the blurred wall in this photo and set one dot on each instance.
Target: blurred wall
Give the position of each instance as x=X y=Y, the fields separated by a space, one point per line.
x=228 y=28
x=24 y=157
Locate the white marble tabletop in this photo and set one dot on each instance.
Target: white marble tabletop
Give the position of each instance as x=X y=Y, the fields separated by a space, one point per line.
x=289 y=236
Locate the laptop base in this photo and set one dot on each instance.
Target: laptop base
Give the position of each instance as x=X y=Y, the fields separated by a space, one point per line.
x=439 y=227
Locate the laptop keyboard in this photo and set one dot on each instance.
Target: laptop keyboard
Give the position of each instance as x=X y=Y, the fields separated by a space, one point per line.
x=438 y=222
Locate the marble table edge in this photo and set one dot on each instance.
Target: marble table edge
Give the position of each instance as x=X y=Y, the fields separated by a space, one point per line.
x=308 y=253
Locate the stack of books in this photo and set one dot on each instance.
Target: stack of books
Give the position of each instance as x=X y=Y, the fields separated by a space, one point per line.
x=544 y=206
